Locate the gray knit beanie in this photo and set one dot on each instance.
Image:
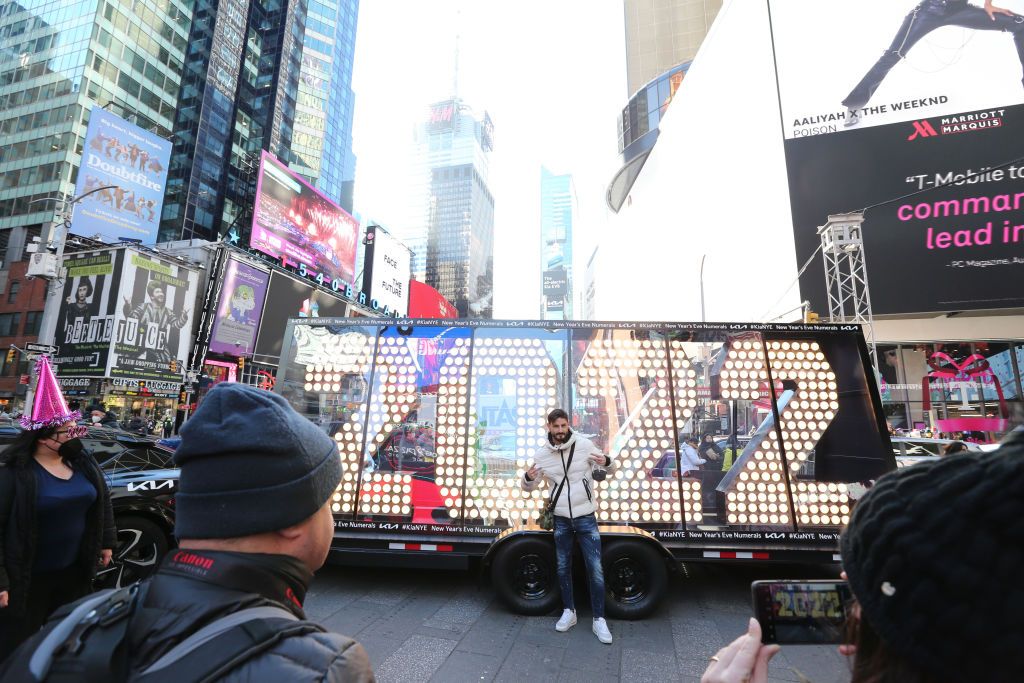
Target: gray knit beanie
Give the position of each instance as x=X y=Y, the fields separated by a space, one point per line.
x=250 y=464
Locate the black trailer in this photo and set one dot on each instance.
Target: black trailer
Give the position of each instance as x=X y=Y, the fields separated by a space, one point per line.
x=436 y=421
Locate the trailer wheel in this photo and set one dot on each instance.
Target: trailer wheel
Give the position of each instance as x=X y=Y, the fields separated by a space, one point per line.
x=635 y=579
x=525 y=576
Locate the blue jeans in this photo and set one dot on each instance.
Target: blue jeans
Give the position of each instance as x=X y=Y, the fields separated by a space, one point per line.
x=583 y=529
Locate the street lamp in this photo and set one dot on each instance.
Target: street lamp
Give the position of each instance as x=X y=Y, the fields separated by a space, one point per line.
x=54 y=243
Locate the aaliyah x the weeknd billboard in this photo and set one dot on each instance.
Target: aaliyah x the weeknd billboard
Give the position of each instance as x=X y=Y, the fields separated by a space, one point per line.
x=295 y=223
x=914 y=110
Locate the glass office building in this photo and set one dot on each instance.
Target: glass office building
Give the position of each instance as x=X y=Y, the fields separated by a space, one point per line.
x=451 y=225
x=241 y=94
x=322 y=143
x=557 y=198
x=57 y=60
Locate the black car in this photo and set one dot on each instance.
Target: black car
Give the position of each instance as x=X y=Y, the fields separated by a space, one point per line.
x=142 y=482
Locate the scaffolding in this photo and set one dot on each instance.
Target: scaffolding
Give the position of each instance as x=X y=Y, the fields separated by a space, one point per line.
x=846 y=275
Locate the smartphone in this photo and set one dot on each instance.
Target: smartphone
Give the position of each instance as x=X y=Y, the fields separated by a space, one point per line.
x=801 y=612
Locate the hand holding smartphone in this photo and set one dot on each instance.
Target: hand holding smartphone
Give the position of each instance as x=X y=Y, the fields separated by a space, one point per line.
x=801 y=612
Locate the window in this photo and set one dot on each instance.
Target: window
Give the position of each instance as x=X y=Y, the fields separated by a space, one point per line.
x=33 y=321
x=12 y=293
x=9 y=324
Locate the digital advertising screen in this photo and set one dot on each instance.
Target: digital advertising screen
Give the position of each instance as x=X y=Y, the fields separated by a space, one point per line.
x=913 y=111
x=130 y=164
x=388 y=269
x=287 y=298
x=242 y=295
x=295 y=223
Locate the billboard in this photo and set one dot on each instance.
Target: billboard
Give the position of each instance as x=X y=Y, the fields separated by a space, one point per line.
x=387 y=272
x=85 y=322
x=155 y=309
x=238 y=314
x=290 y=298
x=427 y=302
x=294 y=223
x=555 y=286
x=134 y=162
x=922 y=136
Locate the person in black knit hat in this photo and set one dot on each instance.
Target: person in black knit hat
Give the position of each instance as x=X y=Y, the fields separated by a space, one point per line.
x=933 y=555
x=254 y=522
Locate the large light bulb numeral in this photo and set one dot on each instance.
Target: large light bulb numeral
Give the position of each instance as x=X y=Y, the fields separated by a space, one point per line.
x=756 y=490
x=450 y=439
x=634 y=373
x=333 y=360
x=492 y=480
x=803 y=422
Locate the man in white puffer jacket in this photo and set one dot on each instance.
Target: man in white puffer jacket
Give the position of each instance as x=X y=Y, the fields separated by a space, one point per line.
x=573 y=458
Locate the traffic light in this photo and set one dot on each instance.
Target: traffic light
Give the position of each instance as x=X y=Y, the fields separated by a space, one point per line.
x=183 y=396
x=241 y=363
x=174 y=365
x=11 y=355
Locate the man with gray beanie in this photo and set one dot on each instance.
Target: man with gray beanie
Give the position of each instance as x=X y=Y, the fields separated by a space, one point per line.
x=253 y=522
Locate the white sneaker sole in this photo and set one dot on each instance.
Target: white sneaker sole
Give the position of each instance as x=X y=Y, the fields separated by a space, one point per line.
x=606 y=642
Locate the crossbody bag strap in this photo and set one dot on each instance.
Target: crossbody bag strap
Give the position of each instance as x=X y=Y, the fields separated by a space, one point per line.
x=565 y=475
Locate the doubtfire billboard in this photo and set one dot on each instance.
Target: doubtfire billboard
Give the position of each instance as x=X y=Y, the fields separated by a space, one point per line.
x=123 y=173
x=914 y=111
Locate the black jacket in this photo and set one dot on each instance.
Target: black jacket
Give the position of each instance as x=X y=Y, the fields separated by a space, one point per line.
x=19 y=535
x=194 y=587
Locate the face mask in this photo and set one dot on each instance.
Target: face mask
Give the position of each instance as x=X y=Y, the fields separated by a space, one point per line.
x=70 y=449
x=96 y=419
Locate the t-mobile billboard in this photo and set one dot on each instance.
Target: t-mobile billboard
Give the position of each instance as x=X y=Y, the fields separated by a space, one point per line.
x=295 y=223
x=238 y=313
x=912 y=110
x=131 y=167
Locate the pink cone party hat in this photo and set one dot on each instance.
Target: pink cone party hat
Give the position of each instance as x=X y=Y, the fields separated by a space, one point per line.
x=50 y=409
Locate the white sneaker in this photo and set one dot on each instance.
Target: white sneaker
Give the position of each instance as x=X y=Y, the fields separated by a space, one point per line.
x=567 y=621
x=601 y=631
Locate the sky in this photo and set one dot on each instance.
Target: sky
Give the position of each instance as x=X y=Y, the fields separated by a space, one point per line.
x=552 y=76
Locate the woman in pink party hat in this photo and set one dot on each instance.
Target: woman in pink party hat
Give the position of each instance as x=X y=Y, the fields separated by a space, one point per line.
x=56 y=522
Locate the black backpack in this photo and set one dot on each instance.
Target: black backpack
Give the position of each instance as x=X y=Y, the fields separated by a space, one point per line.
x=87 y=643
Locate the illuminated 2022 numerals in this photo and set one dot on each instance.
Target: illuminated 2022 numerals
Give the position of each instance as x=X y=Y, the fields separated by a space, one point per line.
x=757 y=496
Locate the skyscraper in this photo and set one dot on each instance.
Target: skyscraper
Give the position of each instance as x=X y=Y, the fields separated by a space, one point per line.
x=661 y=41
x=557 y=198
x=663 y=34
x=56 y=62
x=451 y=226
x=241 y=94
x=322 y=144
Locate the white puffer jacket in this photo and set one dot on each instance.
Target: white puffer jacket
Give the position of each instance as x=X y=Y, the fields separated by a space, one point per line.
x=578 y=496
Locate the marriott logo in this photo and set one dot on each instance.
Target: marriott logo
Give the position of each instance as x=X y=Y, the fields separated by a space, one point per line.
x=922 y=129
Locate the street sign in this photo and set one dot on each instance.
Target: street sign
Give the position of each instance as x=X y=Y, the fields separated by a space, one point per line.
x=41 y=348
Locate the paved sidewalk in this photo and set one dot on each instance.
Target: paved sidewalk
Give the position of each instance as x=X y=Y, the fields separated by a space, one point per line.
x=446 y=626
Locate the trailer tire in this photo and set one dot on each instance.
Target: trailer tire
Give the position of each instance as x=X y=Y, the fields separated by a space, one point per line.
x=525 y=575
x=635 y=579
